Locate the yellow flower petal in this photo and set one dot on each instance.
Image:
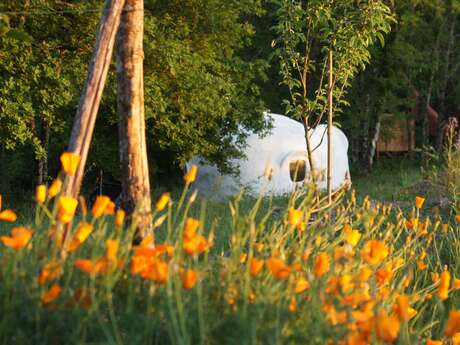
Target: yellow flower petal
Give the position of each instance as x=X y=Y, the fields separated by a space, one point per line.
x=190 y=176
x=40 y=194
x=69 y=161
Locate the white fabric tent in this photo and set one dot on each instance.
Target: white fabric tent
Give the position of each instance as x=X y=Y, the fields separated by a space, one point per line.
x=277 y=152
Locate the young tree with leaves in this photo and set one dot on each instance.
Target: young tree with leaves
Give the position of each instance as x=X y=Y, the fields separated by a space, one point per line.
x=309 y=32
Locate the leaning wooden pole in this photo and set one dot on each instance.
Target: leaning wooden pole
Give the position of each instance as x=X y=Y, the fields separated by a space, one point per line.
x=131 y=125
x=85 y=118
x=329 y=132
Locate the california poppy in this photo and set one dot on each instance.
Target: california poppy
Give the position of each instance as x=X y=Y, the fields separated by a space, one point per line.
x=18 y=239
x=100 y=205
x=278 y=268
x=443 y=290
x=190 y=176
x=255 y=266
x=8 y=215
x=162 y=201
x=69 y=161
x=40 y=194
x=50 y=295
x=321 y=264
x=189 y=278
x=66 y=209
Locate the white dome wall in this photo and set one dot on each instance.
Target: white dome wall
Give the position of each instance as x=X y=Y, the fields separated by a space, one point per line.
x=286 y=139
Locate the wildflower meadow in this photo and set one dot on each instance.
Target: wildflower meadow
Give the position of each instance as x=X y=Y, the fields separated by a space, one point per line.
x=353 y=273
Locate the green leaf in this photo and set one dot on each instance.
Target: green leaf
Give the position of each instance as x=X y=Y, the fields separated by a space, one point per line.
x=19 y=35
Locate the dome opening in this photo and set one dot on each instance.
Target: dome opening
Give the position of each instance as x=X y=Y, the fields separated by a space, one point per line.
x=297 y=170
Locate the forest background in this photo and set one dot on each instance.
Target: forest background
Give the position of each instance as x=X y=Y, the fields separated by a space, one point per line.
x=210 y=71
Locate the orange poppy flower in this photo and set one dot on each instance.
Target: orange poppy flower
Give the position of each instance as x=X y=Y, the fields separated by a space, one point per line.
x=384 y=275
x=453 y=323
x=258 y=247
x=322 y=263
x=278 y=268
x=104 y=265
x=55 y=188
x=69 y=161
x=190 y=176
x=433 y=342
x=158 y=271
x=66 y=209
x=255 y=266
x=119 y=217
x=412 y=223
x=293 y=305
x=18 y=239
x=421 y=265
x=411 y=312
x=190 y=227
x=374 y=252
x=419 y=201
x=401 y=307
x=351 y=236
x=387 y=327
x=162 y=202
x=153 y=252
x=294 y=216
x=346 y=283
x=85 y=265
x=50 y=295
x=144 y=251
x=164 y=248
x=443 y=290
x=301 y=284
x=456 y=283
x=456 y=339
x=434 y=277
x=445 y=228
x=364 y=274
x=8 y=216
x=100 y=205
x=111 y=249
x=110 y=208
x=195 y=245
x=140 y=264
x=82 y=233
x=189 y=278
x=40 y=194
x=51 y=271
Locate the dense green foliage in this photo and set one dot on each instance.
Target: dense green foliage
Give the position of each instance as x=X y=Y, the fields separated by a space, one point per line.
x=416 y=66
x=210 y=71
x=200 y=88
x=307 y=32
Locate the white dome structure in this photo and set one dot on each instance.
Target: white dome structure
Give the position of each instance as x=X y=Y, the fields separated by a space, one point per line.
x=282 y=154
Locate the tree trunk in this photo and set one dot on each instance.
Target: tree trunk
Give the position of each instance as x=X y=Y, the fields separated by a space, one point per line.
x=85 y=118
x=447 y=68
x=329 y=132
x=373 y=146
x=131 y=126
x=43 y=161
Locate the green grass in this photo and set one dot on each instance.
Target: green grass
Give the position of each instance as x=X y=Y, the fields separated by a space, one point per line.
x=389 y=179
